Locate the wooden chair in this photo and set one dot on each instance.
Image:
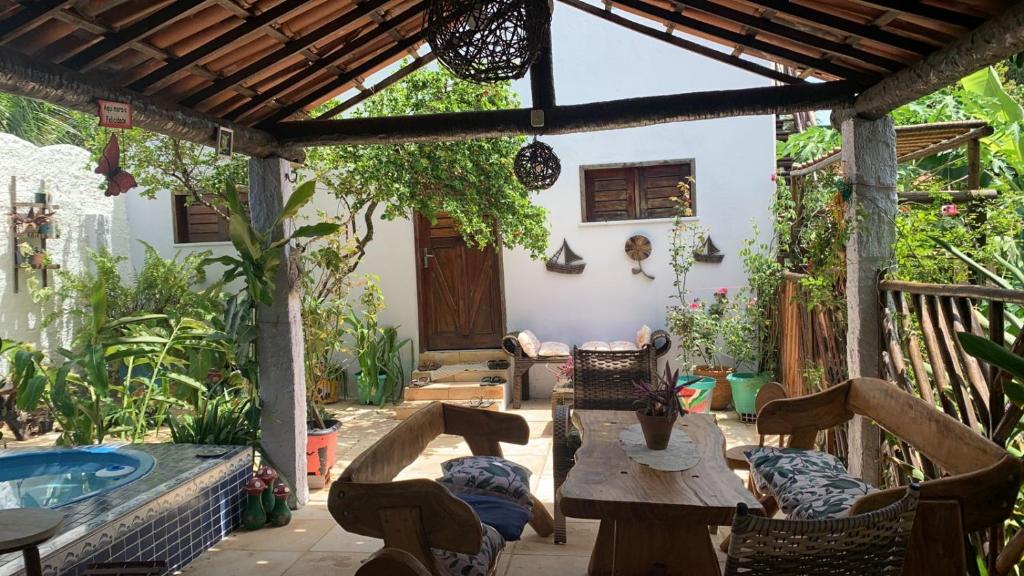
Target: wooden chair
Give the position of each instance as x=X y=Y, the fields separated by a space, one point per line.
x=415 y=516
x=602 y=380
x=981 y=483
x=869 y=544
x=735 y=456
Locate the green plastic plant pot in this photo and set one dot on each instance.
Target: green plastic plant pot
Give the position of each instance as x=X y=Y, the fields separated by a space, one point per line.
x=745 y=386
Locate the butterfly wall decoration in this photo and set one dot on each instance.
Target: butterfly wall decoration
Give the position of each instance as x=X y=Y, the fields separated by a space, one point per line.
x=118 y=181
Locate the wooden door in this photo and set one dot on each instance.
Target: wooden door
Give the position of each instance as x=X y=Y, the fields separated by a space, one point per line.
x=460 y=290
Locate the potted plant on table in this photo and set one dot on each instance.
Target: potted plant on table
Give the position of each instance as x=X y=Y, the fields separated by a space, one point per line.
x=658 y=408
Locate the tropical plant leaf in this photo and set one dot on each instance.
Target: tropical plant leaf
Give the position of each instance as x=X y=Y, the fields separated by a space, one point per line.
x=300 y=196
x=996 y=355
x=974 y=265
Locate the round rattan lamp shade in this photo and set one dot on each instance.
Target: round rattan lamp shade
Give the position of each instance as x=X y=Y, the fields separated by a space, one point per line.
x=487 y=40
x=537 y=166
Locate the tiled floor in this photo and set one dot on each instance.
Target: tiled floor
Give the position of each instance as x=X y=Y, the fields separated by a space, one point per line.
x=313 y=544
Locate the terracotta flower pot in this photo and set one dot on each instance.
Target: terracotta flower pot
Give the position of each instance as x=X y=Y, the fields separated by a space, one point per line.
x=722 y=395
x=37 y=260
x=657 y=429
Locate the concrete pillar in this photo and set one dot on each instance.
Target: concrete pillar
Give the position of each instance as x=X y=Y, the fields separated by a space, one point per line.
x=279 y=337
x=869 y=164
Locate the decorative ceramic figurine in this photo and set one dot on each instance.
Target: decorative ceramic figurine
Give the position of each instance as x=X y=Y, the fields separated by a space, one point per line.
x=281 y=514
x=254 y=516
x=268 y=475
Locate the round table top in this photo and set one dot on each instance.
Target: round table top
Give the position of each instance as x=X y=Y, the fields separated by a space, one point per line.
x=24 y=527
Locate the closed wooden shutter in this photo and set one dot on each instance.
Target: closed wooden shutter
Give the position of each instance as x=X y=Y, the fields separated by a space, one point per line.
x=634 y=192
x=658 y=189
x=610 y=194
x=199 y=223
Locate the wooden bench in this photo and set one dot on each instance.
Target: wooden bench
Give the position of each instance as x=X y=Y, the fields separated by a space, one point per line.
x=979 y=490
x=413 y=516
x=521 y=362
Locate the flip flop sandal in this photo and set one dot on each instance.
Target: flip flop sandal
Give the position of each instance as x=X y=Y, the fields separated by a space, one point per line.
x=419 y=382
x=497 y=364
x=498 y=380
x=428 y=366
x=487 y=381
x=481 y=403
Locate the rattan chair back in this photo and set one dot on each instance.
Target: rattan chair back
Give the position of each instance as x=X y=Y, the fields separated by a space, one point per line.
x=603 y=379
x=871 y=544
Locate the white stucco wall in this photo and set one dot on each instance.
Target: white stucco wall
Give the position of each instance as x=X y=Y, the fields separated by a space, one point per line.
x=86 y=219
x=594 y=60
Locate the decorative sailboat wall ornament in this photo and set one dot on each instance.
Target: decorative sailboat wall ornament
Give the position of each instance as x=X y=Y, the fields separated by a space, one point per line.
x=565 y=261
x=708 y=253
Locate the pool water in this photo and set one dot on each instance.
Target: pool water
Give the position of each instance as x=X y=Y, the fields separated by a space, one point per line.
x=55 y=477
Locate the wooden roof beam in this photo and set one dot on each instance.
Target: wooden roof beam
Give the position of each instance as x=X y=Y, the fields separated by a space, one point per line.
x=376 y=88
x=610 y=115
x=29 y=77
x=748 y=43
x=683 y=43
x=332 y=59
x=121 y=40
x=767 y=25
x=996 y=39
x=828 y=21
x=29 y=17
x=338 y=83
x=289 y=49
x=929 y=12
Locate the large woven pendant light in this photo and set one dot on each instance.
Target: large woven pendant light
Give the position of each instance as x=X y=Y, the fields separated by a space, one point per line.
x=487 y=40
x=537 y=166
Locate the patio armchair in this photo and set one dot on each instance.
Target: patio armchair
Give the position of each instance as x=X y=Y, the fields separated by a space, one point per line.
x=977 y=491
x=869 y=544
x=417 y=518
x=602 y=380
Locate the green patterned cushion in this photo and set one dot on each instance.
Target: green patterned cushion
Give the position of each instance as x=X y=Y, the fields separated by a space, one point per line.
x=479 y=564
x=807 y=484
x=488 y=475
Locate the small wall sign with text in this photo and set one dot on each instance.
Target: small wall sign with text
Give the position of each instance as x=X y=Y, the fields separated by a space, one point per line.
x=225 y=142
x=115 y=114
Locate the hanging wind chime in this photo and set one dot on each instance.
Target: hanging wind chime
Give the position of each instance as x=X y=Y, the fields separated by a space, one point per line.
x=537 y=166
x=487 y=40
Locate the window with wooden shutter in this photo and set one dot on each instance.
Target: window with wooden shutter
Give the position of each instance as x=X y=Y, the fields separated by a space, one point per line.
x=635 y=191
x=198 y=223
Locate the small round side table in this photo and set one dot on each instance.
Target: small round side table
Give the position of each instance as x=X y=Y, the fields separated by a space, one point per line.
x=24 y=529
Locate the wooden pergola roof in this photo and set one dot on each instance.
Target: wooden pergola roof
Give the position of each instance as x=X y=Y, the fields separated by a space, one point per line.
x=913 y=142
x=260 y=65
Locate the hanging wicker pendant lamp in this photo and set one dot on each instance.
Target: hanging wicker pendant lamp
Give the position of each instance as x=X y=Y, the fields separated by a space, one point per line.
x=537 y=166
x=487 y=40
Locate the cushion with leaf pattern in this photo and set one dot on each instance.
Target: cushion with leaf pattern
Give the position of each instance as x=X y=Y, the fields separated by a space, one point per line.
x=807 y=484
x=479 y=564
x=488 y=475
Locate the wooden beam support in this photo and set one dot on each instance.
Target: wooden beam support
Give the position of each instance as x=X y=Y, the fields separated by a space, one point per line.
x=117 y=42
x=972 y=195
x=31 y=15
x=799 y=58
x=627 y=113
x=542 y=76
x=813 y=41
x=996 y=39
x=338 y=83
x=385 y=27
x=829 y=21
x=955 y=142
x=929 y=12
x=223 y=42
x=376 y=88
x=683 y=43
x=32 y=78
x=289 y=49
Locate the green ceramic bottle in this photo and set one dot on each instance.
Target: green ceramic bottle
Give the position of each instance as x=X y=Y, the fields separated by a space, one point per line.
x=254 y=517
x=282 y=514
x=268 y=475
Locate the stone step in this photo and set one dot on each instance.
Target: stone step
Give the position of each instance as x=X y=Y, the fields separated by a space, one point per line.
x=460 y=373
x=455 y=391
x=408 y=408
x=447 y=357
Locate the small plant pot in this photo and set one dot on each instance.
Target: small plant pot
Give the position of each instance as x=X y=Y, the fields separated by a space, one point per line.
x=657 y=429
x=696 y=397
x=745 y=386
x=37 y=260
x=722 y=395
x=40 y=197
x=320 y=447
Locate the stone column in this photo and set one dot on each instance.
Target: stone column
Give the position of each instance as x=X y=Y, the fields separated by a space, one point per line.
x=869 y=164
x=279 y=336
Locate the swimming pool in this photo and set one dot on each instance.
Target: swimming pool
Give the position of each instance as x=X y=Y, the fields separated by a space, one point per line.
x=57 y=477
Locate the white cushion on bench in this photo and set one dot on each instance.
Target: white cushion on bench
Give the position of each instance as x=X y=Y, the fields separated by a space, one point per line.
x=596 y=345
x=553 y=349
x=530 y=343
x=623 y=345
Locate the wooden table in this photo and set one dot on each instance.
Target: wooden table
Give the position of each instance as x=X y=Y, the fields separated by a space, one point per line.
x=652 y=522
x=24 y=529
